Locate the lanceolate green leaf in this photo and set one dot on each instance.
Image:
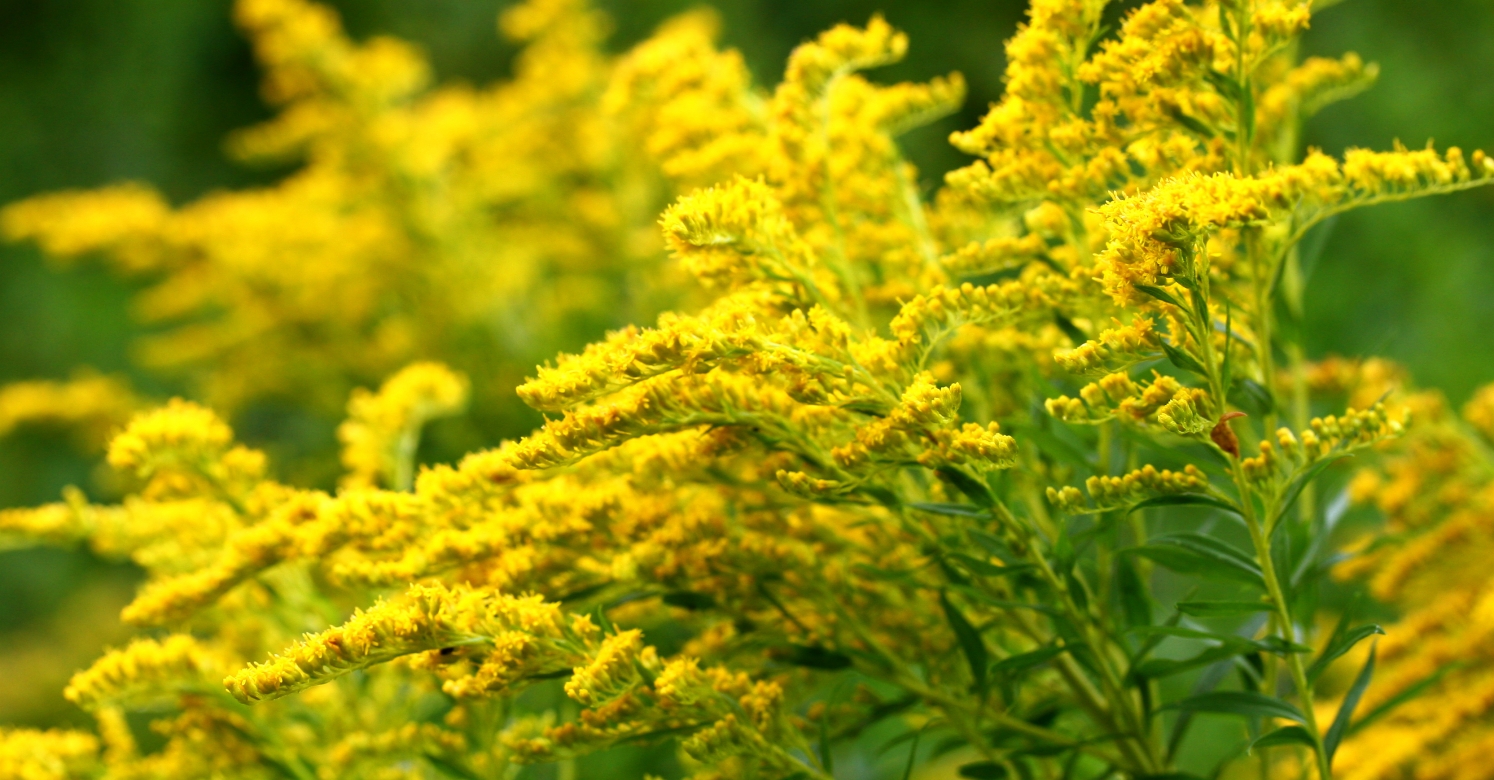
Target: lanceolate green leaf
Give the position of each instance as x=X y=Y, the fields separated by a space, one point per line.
x=1246 y=703
x=983 y=770
x=1157 y=668
x=1024 y=661
x=952 y=510
x=1183 y=360
x=1300 y=483
x=970 y=641
x=1346 y=709
x=1192 y=553
x=1338 y=645
x=1185 y=499
x=1207 y=609
x=1288 y=735
x=1160 y=294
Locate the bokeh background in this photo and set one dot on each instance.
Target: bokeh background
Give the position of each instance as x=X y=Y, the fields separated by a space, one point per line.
x=99 y=91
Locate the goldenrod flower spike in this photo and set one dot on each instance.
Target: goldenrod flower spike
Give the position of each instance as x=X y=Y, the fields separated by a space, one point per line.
x=92 y=404
x=531 y=635
x=54 y=754
x=382 y=431
x=736 y=233
x=693 y=106
x=180 y=435
x=145 y=673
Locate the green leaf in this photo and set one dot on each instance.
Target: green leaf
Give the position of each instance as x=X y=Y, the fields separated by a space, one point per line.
x=1024 y=661
x=449 y=768
x=827 y=756
x=1246 y=703
x=1055 y=447
x=600 y=613
x=986 y=568
x=970 y=641
x=1070 y=329
x=1346 y=709
x=1192 y=124
x=1225 y=553
x=988 y=599
x=913 y=754
x=983 y=770
x=1183 y=360
x=1270 y=644
x=1300 y=483
x=994 y=545
x=1185 y=499
x=1160 y=294
x=1157 y=668
x=1207 y=609
x=1226 y=85
x=1191 y=553
x=973 y=489
x=689 y=600
x=1337 y=646
x=815 y=657
x=951 y=510
x=1251 y=396
x=1132 y=592
x=1289 y=735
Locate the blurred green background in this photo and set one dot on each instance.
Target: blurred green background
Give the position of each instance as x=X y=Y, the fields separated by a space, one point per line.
x=97 y=91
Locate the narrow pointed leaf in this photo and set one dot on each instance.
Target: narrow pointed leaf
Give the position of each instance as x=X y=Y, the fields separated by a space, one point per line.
x=951 y=510
x=986 y=568
x=1132 y=592
x=1289 y=735
x=1024 y=661
x=1070 y=329
x=1339 y=645
x=1300 y=483
x=1185 y=499
x=1207 y=609
x=1183 y=360
x=1346 y=709
x=1191 y=553
x=1246 y=703
x=815 y=657
x=1157 y=668
x=970 y=641
x=1160 y=294
x=912 y=755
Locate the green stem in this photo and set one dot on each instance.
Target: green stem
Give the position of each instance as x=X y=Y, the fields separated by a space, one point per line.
x=1132 y=723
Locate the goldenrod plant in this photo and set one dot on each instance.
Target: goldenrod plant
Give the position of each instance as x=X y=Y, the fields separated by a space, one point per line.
x=1029 y=478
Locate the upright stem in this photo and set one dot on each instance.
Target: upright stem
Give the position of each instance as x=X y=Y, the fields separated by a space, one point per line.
x=1260 y=538
x=1259 y=533
x=1124 y=707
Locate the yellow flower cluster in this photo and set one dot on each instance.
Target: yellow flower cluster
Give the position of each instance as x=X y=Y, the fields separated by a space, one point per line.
x=1435 y=490
x=382 y=431
x=829 y=465
x=528 y=637
x=89 y=404
x=146 y=665
x=1145 y=482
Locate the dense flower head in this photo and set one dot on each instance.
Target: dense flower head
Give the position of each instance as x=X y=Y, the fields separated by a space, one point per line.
x=886 y=464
